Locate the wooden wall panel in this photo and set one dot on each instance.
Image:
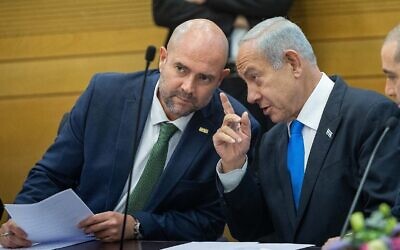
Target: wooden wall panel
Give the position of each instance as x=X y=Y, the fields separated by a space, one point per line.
x=27 y=17
x=63 y=74
x=348 y=25
x=347 y=36
x=28 y=127
x=349 y=58
x=84 y=43
x=371 y=82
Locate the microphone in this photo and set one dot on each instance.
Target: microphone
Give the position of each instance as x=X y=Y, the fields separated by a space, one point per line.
x=1 y=209
x=149 y=57
x=150 y=53
x=390 y=124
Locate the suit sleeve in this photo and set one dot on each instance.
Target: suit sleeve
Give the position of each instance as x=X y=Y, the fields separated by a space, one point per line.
x=246 y=199
x=203 y=223
x=171 y=13
x=61 y=165
x=252 y=8
x=245 y=208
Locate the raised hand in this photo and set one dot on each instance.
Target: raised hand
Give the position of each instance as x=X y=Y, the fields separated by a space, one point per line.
x=232 y=140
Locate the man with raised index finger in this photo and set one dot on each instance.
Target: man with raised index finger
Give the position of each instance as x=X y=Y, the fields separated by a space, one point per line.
x=308 y=167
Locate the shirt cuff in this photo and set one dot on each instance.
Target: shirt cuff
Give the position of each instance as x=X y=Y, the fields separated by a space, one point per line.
x=231 y=179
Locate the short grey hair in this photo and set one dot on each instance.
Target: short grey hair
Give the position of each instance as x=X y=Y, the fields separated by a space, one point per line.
x=394 y=36
x=275 y=35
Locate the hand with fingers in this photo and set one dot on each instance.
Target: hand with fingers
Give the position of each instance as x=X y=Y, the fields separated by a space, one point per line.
x=107 y=226
x=232 y=139
x=12 y=236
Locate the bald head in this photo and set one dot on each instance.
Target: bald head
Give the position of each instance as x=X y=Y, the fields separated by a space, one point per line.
x=394 y=37
x=390 y=57
x=201 y=34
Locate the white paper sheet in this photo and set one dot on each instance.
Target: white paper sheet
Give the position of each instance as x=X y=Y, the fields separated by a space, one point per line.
x=54 y=219
x=282 y=246
x=213 y=245
x=238 y=246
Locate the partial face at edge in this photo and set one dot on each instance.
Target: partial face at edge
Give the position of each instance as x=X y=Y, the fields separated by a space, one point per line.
x=391 y=69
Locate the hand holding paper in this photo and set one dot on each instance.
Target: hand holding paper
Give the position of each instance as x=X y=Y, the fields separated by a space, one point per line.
x=53 y=219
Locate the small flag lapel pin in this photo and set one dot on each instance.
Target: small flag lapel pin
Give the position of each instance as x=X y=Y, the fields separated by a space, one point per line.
x=329 y=133
x=203 y=130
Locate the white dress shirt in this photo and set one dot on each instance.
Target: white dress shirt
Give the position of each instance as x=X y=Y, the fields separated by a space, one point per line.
x=310 y=115
x=149 y=138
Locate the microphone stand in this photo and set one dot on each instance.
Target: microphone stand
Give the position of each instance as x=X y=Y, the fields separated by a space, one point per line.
x=391 y=122
x=1 y=208
x=150 y=53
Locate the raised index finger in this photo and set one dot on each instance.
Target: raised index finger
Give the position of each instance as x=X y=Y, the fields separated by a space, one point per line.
x=228 y=109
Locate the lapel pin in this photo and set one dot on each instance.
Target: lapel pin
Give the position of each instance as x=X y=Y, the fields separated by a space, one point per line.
x=329 y=133
x=203 y=130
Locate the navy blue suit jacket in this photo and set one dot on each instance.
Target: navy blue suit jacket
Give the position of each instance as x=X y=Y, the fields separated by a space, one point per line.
x=94 y=154
x=264 y=207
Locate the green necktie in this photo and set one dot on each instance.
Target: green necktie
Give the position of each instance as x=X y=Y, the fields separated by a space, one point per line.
x=153 y=168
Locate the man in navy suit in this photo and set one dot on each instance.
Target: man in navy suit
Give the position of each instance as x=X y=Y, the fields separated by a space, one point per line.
x=308 y=167
x=94 y=152
x=390 y=57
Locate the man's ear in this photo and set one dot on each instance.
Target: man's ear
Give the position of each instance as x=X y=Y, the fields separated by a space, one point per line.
x=225 y=73
x=294 y=60
x=163 y=57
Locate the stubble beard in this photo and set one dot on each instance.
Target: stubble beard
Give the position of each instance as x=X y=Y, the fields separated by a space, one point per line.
x=173 y=107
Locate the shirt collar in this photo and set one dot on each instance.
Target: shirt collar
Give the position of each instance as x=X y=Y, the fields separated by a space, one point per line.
x=157 y=113
x=311 y=113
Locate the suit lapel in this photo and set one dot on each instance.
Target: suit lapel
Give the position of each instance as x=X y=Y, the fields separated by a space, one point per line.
x=285 y=178
x=191 y=142
x=327 y=129
x=126 y=147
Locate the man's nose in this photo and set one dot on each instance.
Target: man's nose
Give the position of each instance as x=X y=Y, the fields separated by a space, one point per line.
x=188 y=84
x=252 y=95
x=389 y=89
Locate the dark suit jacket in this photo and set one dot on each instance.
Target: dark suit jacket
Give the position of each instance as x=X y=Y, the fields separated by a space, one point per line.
x=94 y=153
x=334 y=169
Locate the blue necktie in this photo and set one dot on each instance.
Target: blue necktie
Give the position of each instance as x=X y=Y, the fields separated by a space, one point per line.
x=295 y=159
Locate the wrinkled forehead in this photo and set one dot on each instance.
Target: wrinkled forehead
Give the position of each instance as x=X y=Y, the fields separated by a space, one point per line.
x=250 y=57
x=198 y=51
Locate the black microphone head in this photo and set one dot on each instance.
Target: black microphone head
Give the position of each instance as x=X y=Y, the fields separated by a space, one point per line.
x=391 y=122
x=150 y=53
